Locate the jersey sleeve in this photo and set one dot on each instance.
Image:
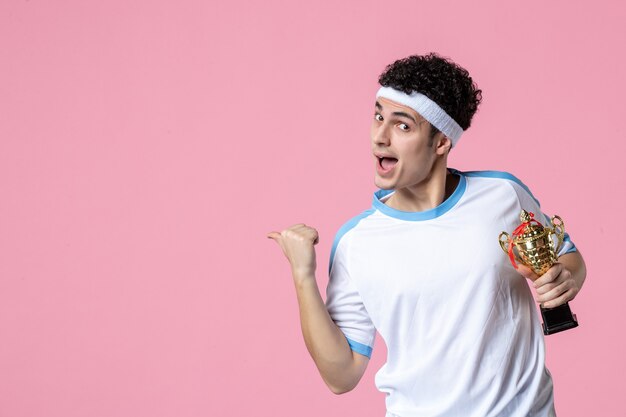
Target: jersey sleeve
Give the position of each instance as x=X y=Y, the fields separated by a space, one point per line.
x=528 y=202
x=344 y=303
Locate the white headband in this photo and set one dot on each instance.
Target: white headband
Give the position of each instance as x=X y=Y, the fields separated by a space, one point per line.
x=427 y=108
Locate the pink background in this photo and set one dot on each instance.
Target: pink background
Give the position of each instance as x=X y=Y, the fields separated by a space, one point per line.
x=147 y=147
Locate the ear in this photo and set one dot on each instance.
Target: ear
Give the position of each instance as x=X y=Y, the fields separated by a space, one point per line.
x=444 y=144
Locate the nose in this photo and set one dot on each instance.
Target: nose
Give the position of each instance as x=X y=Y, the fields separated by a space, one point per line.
x=380 y=134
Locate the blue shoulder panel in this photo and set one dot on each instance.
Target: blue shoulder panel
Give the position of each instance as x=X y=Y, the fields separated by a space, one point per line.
x=345 y=229
x=504 y=175
x=511 y=177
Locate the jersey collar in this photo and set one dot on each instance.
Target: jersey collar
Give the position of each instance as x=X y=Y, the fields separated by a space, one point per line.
x=430 y=214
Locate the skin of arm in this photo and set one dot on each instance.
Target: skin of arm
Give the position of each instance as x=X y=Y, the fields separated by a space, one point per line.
x=340 y=367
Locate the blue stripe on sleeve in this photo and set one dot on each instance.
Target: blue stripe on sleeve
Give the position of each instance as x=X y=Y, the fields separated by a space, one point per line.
x=360 y=348
x=566 y=238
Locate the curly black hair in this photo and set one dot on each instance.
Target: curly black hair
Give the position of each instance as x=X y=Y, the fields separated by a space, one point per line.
x=441 y=80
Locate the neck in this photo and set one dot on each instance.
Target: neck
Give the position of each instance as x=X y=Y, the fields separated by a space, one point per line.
x=428 y=194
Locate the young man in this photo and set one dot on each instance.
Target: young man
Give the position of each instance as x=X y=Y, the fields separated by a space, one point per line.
x=423 y=267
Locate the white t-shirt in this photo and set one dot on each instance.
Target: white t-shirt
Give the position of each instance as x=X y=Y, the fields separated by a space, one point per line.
x=460 y=323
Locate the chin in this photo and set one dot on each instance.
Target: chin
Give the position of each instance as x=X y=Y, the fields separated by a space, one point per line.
x=383 y=185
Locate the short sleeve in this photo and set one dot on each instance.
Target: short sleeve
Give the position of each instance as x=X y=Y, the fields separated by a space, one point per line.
x=528 y=202
x=344 y=304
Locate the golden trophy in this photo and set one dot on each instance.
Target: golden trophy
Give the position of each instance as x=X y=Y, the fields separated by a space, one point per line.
x=532 y=245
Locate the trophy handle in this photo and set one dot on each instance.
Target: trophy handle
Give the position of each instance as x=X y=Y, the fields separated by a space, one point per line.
x=559 y=231
x=504 y=244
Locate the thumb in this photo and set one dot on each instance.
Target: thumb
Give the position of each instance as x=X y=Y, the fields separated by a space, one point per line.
x=274 y=235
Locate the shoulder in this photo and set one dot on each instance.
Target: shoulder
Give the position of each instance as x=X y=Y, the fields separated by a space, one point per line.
x=349 y=225
x=495 y=175
x=502 y=178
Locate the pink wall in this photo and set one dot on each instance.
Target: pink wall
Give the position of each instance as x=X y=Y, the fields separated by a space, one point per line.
x=147 y=147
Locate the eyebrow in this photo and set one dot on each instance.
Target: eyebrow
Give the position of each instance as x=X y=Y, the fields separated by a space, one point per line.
x=397 y=113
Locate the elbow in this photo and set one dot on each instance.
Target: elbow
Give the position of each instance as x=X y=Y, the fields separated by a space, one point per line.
x=341 y=388
x=338 y=390
x=343 y=378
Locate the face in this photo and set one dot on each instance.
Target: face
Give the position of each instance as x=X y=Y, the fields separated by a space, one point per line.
x=401 y=136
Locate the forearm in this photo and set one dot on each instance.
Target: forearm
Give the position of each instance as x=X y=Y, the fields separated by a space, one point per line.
x=324 y=340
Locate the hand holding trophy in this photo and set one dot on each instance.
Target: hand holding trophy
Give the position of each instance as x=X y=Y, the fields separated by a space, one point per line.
x=531 y=244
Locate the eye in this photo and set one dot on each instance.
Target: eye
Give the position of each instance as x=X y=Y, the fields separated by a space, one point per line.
x=378 y=117
x=404 y=127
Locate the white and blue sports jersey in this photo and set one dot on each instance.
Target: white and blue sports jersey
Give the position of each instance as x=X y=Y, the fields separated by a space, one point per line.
x=460 y=323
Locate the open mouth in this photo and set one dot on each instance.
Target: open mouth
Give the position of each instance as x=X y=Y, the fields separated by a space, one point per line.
x=386 y=163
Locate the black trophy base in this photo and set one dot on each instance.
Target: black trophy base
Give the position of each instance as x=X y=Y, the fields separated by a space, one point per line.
x=558 y=319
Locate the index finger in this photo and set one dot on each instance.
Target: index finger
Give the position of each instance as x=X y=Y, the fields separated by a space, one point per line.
x=550 y=275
